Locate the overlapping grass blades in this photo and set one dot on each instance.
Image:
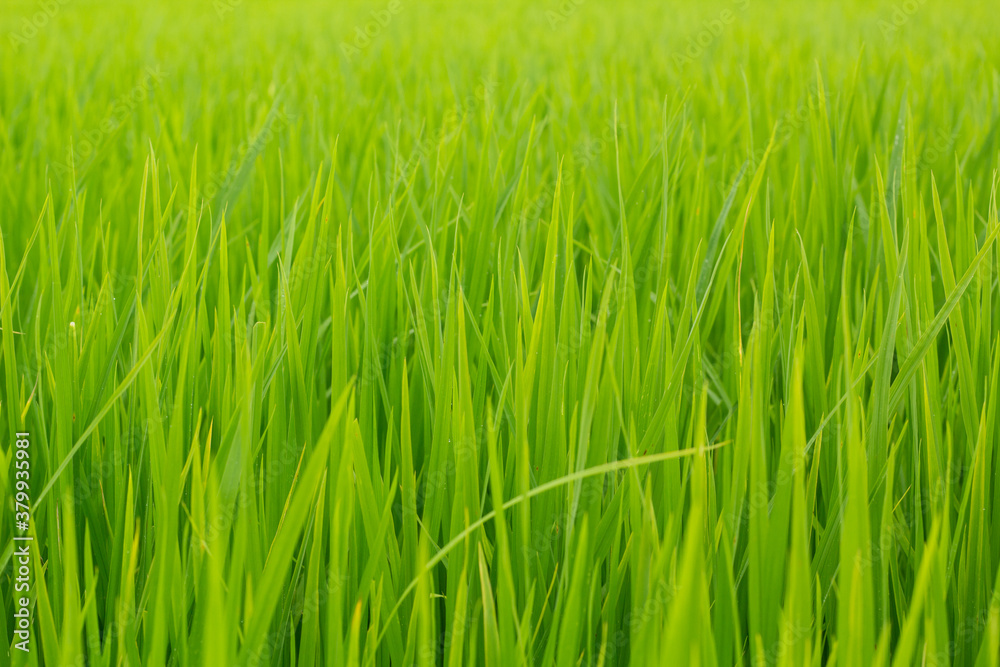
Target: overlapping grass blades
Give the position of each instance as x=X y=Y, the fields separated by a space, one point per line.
x=596 y=333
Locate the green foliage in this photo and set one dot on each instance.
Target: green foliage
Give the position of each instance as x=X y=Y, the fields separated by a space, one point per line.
x=592 y=333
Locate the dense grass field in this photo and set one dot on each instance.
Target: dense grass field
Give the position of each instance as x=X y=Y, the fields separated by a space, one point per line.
x=561 y=333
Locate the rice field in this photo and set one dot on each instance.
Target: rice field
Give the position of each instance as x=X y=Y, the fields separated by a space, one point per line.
x=564 y=333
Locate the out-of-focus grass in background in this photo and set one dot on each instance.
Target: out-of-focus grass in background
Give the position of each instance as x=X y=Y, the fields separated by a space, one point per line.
x=502 y=333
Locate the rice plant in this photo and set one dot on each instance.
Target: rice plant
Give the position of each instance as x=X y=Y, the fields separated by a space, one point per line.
x=564 y=333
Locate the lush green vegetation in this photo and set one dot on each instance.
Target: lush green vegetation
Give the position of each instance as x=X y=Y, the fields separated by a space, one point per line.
x=422 y=333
